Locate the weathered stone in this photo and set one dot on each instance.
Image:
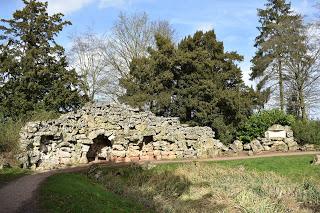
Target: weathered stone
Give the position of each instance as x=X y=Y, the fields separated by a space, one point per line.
x=85 y=148
x=266 y=148
x=118 y=147
x=63 y=154
x=276 y=132
x=120 y=154
x=308 y=147
x=292 y=144
x=280 y=146
x=256 y=146
x=236 y=146
x=266 y=142
x=113 y=132
x=316 y=160
x=289 y=133
x=246 y=146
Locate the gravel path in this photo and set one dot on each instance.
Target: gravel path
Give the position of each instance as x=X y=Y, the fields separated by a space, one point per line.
x=19 y=195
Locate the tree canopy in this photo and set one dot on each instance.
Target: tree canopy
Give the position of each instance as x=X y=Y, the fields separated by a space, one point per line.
x=33 y=67
x=197 y=81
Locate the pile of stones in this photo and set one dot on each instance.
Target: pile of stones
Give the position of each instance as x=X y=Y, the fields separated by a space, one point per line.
x=277 y=138
x=113 y=132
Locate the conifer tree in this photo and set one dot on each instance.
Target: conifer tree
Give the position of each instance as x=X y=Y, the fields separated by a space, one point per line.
x=272 y=46
x=197 y=81
x=33 y=67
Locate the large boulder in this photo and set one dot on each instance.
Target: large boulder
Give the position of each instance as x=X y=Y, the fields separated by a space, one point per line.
x=316 y=160
x=256 y=146
x=279 y=146
x=292 y=144
x=247 y=146
x=237 y=146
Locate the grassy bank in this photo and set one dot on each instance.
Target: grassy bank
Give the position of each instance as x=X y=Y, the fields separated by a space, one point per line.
x=296 y=168
x=278 y=184
x=76 y=193
x=255 y=185
x=9 y=174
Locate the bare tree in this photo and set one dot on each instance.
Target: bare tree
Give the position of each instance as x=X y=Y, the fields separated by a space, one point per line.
x=85 y=56
x=130 y=38
x=303 y=72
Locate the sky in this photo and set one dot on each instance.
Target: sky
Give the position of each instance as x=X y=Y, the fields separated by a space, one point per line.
x=234 y=21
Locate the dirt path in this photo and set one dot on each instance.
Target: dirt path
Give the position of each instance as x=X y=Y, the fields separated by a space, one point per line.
x=18 y=196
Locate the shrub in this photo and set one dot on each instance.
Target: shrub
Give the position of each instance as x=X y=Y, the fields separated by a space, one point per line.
x=10 y=128
x=9 y=135
x=307 y=132
x=258 y=123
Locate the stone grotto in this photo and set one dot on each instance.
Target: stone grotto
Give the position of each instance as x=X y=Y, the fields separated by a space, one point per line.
x=119 y=133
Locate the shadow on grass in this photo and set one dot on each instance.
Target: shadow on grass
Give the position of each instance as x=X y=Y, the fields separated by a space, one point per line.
x=158 y=190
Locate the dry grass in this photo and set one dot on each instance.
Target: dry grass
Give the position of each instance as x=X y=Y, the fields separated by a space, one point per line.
x=210 y=188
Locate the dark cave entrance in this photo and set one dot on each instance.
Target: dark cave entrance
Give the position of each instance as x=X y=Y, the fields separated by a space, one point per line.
x=95 y=149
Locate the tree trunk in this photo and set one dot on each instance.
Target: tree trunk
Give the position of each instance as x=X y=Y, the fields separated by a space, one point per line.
x=281 y=88
x=302 y=105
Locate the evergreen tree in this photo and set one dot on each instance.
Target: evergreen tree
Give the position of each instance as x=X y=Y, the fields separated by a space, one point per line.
x=272 y=44
x=210 y=90
x=33 y=67
x=150 y=82
x=196 y=81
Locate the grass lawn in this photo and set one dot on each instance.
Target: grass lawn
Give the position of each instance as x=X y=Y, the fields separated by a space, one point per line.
x=76 y=193
x=297 y=168
x=277 y=184
x=268 y=185
x=9 y=174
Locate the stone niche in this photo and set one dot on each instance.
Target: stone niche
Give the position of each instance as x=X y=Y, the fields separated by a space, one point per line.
x=112 y=132
x=276 y=132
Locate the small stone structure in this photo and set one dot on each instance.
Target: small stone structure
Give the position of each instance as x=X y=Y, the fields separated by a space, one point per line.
x=112 y=132
x=277 y=138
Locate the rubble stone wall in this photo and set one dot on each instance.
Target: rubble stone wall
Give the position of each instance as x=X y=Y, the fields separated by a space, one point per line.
x=119 y=133
x=112 y=132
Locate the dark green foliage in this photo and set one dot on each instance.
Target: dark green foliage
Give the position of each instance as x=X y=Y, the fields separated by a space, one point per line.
x=259 y=123
x=197 y=81
x=33 y=67
x=307 y=132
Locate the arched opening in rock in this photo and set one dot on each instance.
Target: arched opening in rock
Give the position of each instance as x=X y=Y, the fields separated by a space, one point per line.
x=44 y=141
x=100 y=149
x=147 y=139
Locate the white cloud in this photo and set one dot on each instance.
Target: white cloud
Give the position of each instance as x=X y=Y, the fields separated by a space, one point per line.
x=69 y=6
x=66 y=6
